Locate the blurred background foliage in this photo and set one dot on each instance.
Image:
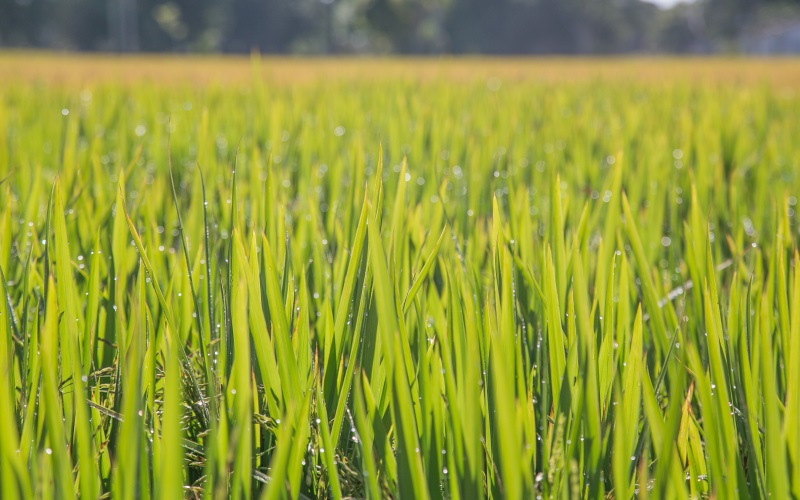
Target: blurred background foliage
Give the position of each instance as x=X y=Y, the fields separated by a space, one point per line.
x=404 y=26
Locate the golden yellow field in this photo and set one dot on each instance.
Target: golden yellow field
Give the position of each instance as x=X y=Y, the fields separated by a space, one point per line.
x=68 y=69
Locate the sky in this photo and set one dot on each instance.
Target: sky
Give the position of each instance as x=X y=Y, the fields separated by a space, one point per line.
x=665 y=4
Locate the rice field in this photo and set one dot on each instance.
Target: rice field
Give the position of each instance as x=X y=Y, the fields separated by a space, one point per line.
x=233 y=278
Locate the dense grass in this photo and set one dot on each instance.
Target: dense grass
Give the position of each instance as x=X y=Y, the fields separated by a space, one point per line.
x=440 y=288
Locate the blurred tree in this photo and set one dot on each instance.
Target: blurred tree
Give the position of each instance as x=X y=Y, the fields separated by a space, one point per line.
x=412 y=26
x=270 y=26
x=21 y=22
x=124 y=25
x=70 y=24
x=181 y=25
x=548 y=26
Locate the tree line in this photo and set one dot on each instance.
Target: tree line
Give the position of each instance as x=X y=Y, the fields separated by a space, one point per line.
x=385 y=26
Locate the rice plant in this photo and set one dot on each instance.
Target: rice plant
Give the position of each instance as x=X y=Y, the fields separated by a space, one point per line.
x=403 y=287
